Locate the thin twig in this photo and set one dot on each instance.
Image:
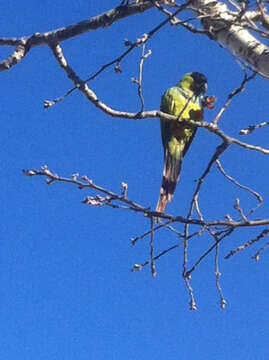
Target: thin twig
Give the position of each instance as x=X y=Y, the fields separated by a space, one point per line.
x=160 y=226
x=177 y=21
x=152 y=263
x=208 y=251
x=260 y=251
x=254 y=193
x=251 y=128
x=140 y=76
x=218 y=275
x=247 y=244
x=139 y=267
x=164 y=252
x=192 y=302
x=240 y=211
x=232 y=94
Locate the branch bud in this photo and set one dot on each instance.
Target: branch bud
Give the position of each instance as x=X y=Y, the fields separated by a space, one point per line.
x=136 y=267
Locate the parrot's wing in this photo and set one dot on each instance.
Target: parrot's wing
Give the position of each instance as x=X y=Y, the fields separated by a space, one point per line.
x=187 y=145
x=172 y=102
x=196 y=114
x=167 y=105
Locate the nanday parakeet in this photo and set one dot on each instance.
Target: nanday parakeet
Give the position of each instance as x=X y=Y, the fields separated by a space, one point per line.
x=184 y=101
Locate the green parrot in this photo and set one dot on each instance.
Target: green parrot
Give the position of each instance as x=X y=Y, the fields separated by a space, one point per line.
x=184 y=101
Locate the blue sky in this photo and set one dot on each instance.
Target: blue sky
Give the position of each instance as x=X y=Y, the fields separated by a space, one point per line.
x=66 y=287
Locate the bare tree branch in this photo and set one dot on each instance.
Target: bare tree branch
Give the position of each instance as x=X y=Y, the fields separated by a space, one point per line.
x=233 y=93
x=251 y=128
x=86 y=183
x=260 y=251
x=223 y=302
x=207 y=252
x=91 y=96
x=249 y=243
x=254 y=193
x=106 y=19
x=152 y=262
x=140 y=76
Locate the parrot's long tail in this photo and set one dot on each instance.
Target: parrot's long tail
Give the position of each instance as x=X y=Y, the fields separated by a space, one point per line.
x=171 y=172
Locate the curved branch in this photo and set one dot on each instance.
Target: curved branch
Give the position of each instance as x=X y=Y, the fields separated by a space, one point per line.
x=243 y=187
x=91 y=96
x=104 y=20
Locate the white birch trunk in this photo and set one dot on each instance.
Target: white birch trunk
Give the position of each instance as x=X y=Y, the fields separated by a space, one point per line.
x=235 y=37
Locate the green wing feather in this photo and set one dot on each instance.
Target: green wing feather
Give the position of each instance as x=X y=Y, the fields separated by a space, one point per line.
x=176 y=139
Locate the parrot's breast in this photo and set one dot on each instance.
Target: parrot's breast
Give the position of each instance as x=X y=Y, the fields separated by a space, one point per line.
x=180 y=105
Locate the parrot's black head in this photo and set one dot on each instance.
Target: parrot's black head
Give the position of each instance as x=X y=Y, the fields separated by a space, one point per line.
x=199 y=83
